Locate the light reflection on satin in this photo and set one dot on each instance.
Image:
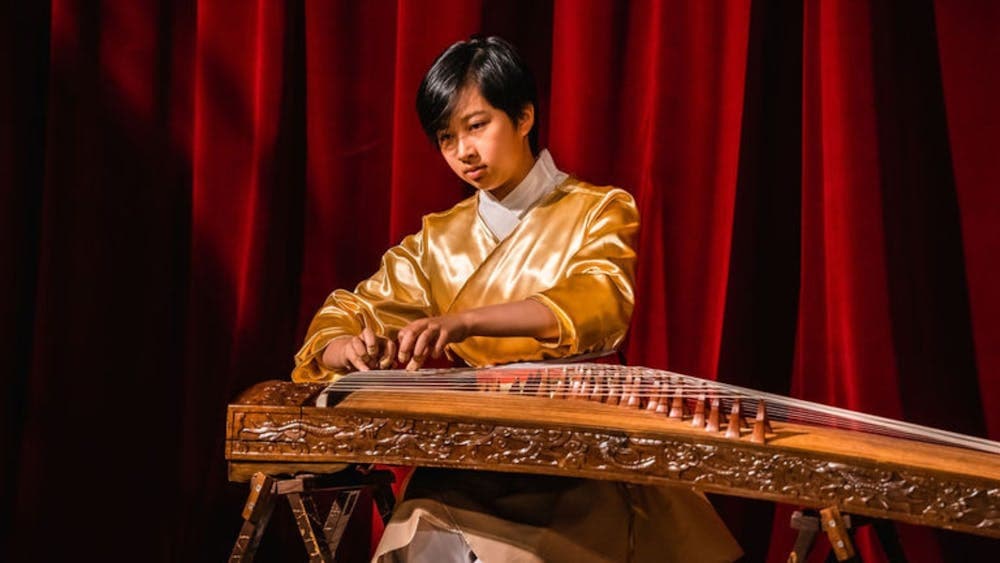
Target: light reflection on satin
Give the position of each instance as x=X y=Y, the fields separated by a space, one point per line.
x=573 y=253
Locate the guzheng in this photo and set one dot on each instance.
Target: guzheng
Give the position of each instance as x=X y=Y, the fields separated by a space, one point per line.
x=622 y=423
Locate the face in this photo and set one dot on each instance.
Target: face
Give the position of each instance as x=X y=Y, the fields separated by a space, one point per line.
x=484 y=146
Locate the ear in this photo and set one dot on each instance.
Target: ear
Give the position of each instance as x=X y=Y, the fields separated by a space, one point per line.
x=526 y=120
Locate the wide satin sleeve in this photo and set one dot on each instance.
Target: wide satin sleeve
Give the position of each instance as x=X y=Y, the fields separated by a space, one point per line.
x=594 y=299
x=386 y=302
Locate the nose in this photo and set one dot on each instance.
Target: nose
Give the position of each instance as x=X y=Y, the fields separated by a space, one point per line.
x=466 y=149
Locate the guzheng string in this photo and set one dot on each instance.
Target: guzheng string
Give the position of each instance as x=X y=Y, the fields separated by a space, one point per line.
x=618 y=384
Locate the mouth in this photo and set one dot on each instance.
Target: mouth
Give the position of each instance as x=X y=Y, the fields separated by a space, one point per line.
x=474 y=173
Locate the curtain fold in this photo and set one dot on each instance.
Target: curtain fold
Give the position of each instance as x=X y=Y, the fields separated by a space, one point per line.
x=967 y=48
x=182 y=183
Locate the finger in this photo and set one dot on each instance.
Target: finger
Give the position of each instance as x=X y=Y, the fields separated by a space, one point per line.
x=406 y=341
x=414 y=364
x=389 y=356
x=357 y=363
x=442 y=341
x=360 y=350
x=353 y=357
x=371 y=342
x=424 y=341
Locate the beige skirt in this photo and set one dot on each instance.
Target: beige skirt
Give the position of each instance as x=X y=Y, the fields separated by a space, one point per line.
x=502 y=517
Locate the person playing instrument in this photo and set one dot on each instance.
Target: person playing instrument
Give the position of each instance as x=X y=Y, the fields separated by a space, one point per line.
x=536 y=265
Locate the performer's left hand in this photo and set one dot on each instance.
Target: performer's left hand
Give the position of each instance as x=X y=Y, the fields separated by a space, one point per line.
x=428 y=337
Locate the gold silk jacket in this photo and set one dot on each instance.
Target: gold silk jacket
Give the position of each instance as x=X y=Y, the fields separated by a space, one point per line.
x=573 y=252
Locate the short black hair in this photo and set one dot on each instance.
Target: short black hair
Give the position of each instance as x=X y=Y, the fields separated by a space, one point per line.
x=492 y=64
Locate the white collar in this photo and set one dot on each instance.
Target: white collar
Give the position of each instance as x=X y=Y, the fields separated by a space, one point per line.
x=503 y=216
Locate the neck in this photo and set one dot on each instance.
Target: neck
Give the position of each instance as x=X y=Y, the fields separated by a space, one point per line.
x=527 y=161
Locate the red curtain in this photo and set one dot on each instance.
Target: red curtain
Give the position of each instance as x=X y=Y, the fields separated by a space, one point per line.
x=181 y=183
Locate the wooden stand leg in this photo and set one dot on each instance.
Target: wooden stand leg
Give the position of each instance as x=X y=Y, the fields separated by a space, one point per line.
x=256 y=513
x=385 y=500
x=337 y=519
x=836 y=528
x=808 y=527
x=311 y=528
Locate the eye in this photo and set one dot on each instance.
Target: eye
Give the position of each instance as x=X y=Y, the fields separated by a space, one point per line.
x=477 y=125
x=444 y=138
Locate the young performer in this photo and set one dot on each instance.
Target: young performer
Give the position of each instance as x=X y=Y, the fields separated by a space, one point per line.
x=536 y=265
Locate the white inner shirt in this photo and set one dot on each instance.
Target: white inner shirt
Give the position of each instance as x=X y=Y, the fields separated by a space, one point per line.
x=502 y=217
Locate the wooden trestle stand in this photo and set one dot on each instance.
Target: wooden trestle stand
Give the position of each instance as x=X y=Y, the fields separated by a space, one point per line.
x=839 y=530
x=321 y=536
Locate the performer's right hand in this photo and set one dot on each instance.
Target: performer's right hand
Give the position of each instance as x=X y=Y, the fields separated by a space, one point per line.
x=363 y=352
